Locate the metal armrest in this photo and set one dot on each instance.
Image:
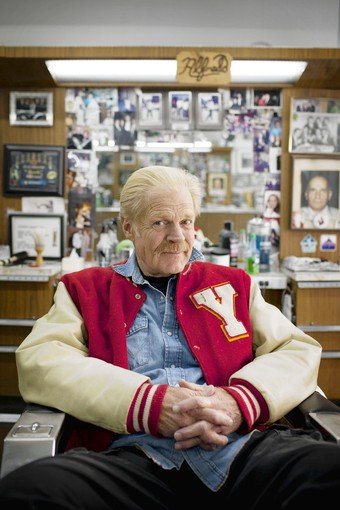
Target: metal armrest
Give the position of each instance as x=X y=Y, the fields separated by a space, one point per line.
x=36 y=434
x=316 y=411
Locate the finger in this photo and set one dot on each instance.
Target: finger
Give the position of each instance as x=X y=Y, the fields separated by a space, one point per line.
x=214 y=416
x=204 y=389
x=191 y=403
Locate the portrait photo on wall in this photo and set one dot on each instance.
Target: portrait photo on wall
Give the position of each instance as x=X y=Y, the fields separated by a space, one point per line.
x=314 y=126
x=209 y=110
x=125 y=132
x=180 y=109
x=264 y=98
x=236 y=100
x=81 y=208
x=316 y=191
x=31 y=109
x=150 y=110
x=218 y=188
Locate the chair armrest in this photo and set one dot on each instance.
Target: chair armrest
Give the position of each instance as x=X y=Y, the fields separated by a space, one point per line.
x=37 y=433
x=316 y=411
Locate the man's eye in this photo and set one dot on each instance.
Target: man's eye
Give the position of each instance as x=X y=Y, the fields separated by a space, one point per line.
x=159 y=224
x=187 y=223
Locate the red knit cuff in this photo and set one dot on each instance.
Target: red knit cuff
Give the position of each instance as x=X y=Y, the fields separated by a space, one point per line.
x=250 y=401
x=144 y=412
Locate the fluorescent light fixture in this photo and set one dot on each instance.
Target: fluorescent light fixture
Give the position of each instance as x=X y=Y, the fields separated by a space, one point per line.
x=273 y=71
x=164 y=71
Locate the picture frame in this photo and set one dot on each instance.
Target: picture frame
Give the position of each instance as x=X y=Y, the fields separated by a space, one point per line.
x=82 y=208
x=34 y=170
x=50 y=227
x=218 y=188
x=315 y=193
x=209 y=110
x=314 y=126
x=266 y=98
x=150 y=110
x=31 y=109
x=237 y=99
x=180 y=109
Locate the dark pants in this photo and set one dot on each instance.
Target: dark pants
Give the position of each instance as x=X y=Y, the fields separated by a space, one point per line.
x=276 y=469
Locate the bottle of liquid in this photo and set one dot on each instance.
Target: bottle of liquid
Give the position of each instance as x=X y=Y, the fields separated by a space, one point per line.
x=104 y=248
x=228 y=240
x=242 y=249
x=253 y=256
x=265 y=247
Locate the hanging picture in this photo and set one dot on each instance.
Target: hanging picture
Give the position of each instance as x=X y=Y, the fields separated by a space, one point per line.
x=34 y=170
x=180 y=109
x=31 y=109
x=316 y=193
x=150 y=110
x=209 y=110
x=314 y=126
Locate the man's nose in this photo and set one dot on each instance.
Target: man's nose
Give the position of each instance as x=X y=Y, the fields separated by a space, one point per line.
x=175 y=232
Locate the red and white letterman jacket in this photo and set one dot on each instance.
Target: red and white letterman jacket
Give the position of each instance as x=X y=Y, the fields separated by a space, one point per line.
x=79 y=355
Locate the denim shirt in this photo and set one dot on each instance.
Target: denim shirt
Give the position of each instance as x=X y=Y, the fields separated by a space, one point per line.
x=157 y=348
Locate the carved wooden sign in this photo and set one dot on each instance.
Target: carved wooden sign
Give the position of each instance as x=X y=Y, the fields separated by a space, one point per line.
x=203 y=68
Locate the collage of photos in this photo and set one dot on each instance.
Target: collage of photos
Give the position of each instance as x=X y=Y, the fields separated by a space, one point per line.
x=106 y=127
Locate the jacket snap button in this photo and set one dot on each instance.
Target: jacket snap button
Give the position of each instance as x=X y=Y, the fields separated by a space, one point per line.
x=138 y=296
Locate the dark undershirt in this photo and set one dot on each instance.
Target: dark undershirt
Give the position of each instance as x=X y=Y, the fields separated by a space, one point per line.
x=159 y=282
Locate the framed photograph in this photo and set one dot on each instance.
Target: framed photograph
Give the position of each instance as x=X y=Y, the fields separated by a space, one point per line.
x=31 y=109
x=180 y=109
x=34 y=170
x=237 y=100
x=265 y=98
x=82 y=208
x=150 y=110
x=316 y=192
x=127 y=158
x=314 y=126
x=25 y=228
x=218 y=188
x=209 y=110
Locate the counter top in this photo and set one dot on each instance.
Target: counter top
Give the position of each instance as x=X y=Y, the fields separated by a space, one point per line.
x=271 y=280
x=25 y=272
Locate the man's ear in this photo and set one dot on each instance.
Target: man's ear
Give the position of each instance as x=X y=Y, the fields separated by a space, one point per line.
x=127 y=228
x=330 y=193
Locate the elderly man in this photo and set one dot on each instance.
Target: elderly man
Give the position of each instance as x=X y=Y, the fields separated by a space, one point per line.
x=177 y=370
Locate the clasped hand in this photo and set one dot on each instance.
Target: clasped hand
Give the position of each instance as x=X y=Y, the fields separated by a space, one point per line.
x=197 y=415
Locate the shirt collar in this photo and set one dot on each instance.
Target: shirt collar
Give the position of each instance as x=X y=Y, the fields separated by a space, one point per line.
x=130 y=268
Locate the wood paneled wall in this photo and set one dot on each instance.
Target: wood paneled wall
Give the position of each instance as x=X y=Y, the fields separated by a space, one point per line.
x=52 y=135
x=290 y=239
x=56 y=134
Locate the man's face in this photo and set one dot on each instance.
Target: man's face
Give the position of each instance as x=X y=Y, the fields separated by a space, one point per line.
x=318 y=194
x=164 y=238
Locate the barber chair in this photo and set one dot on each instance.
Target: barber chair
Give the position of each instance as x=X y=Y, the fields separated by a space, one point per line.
x=42 y=431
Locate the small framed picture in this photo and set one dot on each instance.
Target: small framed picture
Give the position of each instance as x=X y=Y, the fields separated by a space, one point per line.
x=316 y=193
x=314 y=127
x=180 y=109
x=34 y=170
x=237 y=100
x=82 y=208
x=150 y=110
x=265 y=98
x=209 y=110
x=25 y=228
x=31 y=109
x=218 y=185
x=127 y=158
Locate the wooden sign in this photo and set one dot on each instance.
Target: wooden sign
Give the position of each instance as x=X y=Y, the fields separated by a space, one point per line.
x=203 y=68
